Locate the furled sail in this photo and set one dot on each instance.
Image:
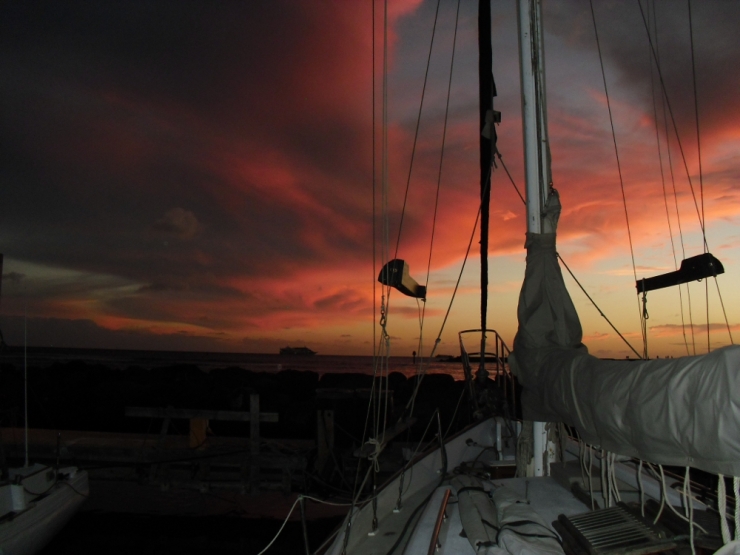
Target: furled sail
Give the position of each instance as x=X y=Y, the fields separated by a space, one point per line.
x=682 y=412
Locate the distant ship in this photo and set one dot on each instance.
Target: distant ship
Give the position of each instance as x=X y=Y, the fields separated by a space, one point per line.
x=297 y=351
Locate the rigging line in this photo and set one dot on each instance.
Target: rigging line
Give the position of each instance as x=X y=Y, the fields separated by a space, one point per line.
x=380 y=352
x=500 y=158
x=383 y=356
x=454 y=414
x=437 y=341
x=678 y=222
x=374 y=231
x=706 y=302
x=375 y=405
x=675 y=127
x=696 y=114
x=596 y=306
x=439 y=173
x=722 y=304
x=567 y=268
x=619 y=170
x=662 y=173
x=418 y=124
x=386 y=212
x=701 y=173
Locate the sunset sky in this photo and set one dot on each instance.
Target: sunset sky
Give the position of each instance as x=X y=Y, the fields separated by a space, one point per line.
x=199 y=175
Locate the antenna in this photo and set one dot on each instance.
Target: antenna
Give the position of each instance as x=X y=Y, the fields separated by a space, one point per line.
x=25 y=377
x=3 y=345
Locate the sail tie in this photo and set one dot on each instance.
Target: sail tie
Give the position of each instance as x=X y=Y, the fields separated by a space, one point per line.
x=376 y=453
x=722 y=509
x=689 y=508
x=736 y=493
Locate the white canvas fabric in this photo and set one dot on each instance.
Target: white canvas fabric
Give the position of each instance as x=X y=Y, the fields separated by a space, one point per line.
x=682 y=412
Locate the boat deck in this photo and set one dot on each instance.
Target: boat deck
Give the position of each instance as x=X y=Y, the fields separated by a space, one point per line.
x=414 y=527
x=452 y=496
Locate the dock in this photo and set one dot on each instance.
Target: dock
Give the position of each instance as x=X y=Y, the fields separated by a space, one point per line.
x=197 y=460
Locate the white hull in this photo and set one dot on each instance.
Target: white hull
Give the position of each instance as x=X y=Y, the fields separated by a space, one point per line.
x=31 y=529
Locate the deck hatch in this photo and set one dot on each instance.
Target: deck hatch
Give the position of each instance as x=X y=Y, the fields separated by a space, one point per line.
x=614 y=531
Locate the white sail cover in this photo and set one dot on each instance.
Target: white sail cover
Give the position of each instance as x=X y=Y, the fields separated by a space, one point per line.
x=682 y=412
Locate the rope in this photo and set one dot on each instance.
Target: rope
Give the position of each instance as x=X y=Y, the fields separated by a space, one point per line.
x=582 y=457
x=700 y=212
x=383 y=343
x=597 y=306
x=406 y=466
x=375 y=256
x=590 y=480
x=614 y=477
x=673 y=121
x=736 y=494
x=722 y=304
x=683 y=246
x=701 y=173
x=383 y=349
x=584 y=448
x=454 y=414
x=437 y=341
x=374 y=457
x=604 y=487
x=662 y=492
x=513 y=183
x=439 y=181
x=645 y=316
x=665 y=501
x=689 y=508
x=722 y=509
x=662 y=174
x=290 y=512
x=418 y=124
x=675 y=202
x=269 y=545
x=698 y=134
x=619 y=171
x=642 y=489
x=500 y=158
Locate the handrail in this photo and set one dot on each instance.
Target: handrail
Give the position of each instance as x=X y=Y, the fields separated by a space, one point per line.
x=434 y=543
x=499 y=359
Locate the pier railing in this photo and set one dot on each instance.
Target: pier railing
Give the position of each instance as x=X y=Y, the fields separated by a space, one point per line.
x=199 y=424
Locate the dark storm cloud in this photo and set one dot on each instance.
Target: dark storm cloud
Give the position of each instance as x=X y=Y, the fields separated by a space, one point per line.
x=199 y=168
x=157 y=158
x=13 y=277
x=116 y=112
x=179 y=223
x=625 y=46
x=57 y=332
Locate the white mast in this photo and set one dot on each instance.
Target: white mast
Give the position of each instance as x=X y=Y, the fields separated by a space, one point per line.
x=536 y=162
x=534 y=111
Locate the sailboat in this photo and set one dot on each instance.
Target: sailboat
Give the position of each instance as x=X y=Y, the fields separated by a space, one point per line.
x=36 y=500
x=603 y=492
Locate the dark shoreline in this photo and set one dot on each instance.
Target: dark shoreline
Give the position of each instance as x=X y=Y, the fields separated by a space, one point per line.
x=79 y=395
x=86 y=396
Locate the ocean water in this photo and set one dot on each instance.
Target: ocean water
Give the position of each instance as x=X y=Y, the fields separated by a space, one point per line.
x=43 y=357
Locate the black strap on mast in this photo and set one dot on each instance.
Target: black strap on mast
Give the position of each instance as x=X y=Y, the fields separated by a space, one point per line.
x=488 y=119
